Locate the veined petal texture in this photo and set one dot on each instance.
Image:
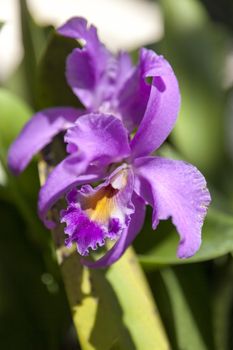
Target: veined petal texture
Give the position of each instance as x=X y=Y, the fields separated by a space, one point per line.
x=94 y=142
x=39 y=132
x=178 y=190
x=162 y=107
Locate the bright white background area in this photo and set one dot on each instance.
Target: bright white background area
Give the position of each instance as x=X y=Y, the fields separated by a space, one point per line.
x=122 y=24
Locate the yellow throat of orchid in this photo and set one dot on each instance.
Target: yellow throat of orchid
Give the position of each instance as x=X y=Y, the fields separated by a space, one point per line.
x=101 y=205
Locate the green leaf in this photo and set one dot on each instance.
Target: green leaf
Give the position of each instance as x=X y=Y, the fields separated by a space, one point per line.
x=23 y=190
x=52 y=88
x=31 y=307
x=140 y=312
x=217 y=241
x=33 y=313
x=34 y=39
x=13 y=115
x=189 y=307
x=191 y=39
x=222 y=305
x=113 y=308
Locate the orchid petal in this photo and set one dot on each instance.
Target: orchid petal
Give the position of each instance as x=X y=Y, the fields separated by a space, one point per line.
x=178 y=190
x=37 y=133
x=95 y=141
x=134 y=94
x=125 y=70
x=126 y=238
x=77 y=28
x=61 y=180
x=101 y=137
x=162 y=106
x=85 y=66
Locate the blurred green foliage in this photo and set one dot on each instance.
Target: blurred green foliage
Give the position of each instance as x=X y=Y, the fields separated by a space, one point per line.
x=52 y=87
x=195 y=299
x=33 y=310
x=220 y=11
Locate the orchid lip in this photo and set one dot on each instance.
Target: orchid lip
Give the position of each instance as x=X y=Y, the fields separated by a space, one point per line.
x=94 y=214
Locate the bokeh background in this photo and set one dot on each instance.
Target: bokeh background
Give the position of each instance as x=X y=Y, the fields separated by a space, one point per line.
x=194 y=297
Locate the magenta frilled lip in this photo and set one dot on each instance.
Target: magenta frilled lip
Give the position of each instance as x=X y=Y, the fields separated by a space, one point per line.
x=117 y=100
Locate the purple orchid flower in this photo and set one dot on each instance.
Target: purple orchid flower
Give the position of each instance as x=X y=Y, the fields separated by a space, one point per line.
x=118 y=99
x=101 y=81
